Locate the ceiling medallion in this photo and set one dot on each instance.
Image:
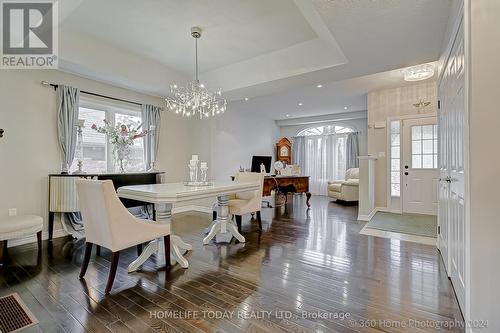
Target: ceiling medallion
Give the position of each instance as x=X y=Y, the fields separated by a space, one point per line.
x=419 y=72
x=195 y=99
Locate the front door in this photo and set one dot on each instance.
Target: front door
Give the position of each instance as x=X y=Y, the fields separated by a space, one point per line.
x=420 y=159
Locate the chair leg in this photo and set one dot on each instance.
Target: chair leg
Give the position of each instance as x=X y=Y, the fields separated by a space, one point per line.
x=86 y=259
x=238 y=222
x=259 y=220
x=39 y=240
x=98 y=250
x=112 y=271
x=139 y=249
x=1 y=251
x=166 y=241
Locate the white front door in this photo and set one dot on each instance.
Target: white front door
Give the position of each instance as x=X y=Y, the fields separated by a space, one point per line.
x=420 y=159
x=453 y=155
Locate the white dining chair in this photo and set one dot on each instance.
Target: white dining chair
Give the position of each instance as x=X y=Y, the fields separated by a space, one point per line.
x=109 y=224
x=247 y=202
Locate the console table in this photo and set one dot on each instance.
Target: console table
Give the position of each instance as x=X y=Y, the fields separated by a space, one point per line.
x=299 y=184
x=62 y=190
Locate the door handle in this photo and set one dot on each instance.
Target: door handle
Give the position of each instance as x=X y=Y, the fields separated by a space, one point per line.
x=406 y=173
x=446 y=179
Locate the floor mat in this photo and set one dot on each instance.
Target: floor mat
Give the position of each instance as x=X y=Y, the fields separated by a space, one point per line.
x=14 y=314
x=411 y=224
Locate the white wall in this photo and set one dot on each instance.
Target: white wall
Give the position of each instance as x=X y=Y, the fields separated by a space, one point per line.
x=29 y=150
x=386 y=103
x=230 y=141
x=482 y=17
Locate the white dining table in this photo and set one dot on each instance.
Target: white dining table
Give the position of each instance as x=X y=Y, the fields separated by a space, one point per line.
x=164 y=196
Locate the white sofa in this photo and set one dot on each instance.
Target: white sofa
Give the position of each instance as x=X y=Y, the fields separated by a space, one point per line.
x=345 y=190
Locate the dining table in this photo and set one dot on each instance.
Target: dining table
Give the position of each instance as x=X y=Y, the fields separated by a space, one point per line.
x=165 y=196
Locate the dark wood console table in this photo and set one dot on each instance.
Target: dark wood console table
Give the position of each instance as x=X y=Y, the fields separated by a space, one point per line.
x=62 y=190
x=299 y=184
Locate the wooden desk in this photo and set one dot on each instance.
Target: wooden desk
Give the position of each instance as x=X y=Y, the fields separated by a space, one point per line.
x=299 y=183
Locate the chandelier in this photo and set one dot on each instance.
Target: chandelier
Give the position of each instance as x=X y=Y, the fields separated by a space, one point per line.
x=195 y=99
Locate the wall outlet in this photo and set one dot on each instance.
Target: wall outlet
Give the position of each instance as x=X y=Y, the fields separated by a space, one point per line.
x=12 y=211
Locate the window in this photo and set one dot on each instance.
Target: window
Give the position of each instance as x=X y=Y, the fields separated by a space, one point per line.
x=424 y=149
x=395 y=158
x=323 y=156
x=325 y=130
x=97 y=151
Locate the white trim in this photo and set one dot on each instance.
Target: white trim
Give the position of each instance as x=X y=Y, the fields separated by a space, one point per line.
x=464 y=15
x=32 y=238
x=399 y=236
x=367 y=218
x=61 y=233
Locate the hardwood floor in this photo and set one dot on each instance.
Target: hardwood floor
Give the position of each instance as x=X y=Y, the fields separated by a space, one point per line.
x=311 y=271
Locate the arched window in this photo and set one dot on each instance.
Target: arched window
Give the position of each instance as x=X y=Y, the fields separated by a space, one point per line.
x=325 y=130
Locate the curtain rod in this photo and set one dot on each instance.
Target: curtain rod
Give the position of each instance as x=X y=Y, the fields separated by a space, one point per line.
x=55 y=86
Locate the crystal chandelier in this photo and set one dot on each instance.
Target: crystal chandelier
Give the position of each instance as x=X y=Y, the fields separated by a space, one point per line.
x=195 y=99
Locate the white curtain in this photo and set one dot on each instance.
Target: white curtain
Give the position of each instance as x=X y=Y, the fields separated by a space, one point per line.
x=324 y=160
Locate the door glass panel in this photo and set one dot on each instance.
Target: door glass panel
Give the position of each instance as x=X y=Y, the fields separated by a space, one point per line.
x=395 y=158
x=427 y=132
x=395 y=152
x=427 y=161
x=395 y=139
x=416 y=147
x=424 y=147
x=427 y=147
x=416 y=133
x=416 y=161
x=395 y=164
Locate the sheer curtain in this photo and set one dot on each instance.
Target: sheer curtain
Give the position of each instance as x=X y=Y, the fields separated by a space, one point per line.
x=323 y=158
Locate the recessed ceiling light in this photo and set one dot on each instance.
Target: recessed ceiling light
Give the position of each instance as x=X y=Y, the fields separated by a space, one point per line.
x=300 y=104
x=287 y=115
x=319 y=86
x=345 y=107
x=246 y=98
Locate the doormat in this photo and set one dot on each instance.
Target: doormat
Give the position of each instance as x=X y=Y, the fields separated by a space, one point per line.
x=411 y=224
x=14 y=314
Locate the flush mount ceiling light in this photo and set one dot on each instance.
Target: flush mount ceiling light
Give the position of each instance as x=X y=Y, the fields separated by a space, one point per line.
x=195 y=99
x=419 y=72
x=319 y=86
x=300 y=104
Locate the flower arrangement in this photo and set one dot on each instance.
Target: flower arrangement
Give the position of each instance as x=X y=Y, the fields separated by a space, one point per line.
x=121 y=137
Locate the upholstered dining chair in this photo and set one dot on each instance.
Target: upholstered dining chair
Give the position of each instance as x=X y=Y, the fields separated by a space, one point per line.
x=109 y=224
x=247 y=202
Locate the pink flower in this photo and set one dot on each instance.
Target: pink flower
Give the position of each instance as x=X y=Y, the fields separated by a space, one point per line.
x=124 y=128
x=94 y=126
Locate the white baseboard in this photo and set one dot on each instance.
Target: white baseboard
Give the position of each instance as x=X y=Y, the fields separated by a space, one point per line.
x=32 y=238
x=367 y=218
x=61 y=233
